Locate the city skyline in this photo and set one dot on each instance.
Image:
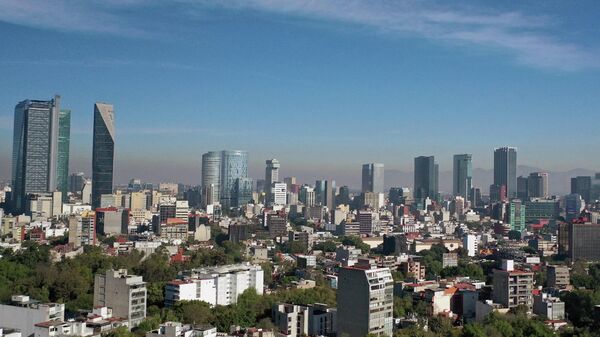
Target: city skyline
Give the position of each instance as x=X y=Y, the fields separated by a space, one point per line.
x=300 y=64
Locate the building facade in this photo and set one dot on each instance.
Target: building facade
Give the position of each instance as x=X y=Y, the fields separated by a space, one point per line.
x=505 y=170
x=125 y=294
x=35 y=147
x=462 y=175
x=103 y=152
x=365 y=300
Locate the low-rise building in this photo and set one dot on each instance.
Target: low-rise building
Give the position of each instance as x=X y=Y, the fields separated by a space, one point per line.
x=24 y=313
x=552 y=308
x=215 y=285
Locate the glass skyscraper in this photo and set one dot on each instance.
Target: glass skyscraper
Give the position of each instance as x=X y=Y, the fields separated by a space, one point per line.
x=211 y=177
x=505 y=170
x=64 y=139
x=34 y=157
x=103 y=152
x=234 y=165
x=372 y=177
x=425 y=178
x=243 y=191
x=462 y=175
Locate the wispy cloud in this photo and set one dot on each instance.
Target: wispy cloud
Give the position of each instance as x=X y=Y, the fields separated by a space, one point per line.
x=103 y=63
x=531 y=39
x=70 y=15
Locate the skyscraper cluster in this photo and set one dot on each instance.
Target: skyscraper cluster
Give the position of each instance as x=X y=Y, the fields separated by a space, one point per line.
x=41 y=142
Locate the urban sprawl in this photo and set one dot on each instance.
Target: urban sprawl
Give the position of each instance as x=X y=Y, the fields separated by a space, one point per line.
x=237 y=256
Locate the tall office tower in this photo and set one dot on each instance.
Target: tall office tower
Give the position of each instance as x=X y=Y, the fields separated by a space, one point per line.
x=271 y=176
x=234 y=165
x=475 y=197
x=343 y=197
x=64 y=139
x=211 y=177
x=505 y=169
x=462 y=175
x=35 y=146
x=103 y=152
x=582 y=185
x=372 y=177
x=522 y=188
x=537 y=185
x=243 y=191
x=320 y=192
x=330 y=194
x=365 y=298
x=76 y=181
x=426 y=178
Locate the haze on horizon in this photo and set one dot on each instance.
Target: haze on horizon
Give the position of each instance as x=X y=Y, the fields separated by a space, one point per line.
x=322 y=86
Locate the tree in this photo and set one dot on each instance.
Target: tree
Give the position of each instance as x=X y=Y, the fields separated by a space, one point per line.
x=193 y=312
x=356 y=242
x=473 y=330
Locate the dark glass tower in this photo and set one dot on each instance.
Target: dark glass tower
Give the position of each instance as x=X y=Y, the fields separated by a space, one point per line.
x=64 y=139
x=34 y=150
x=103 y=152
x=426 y=178
x=505 y=170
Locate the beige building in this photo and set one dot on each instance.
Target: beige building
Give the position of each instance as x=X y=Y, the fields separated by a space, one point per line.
x=512 y=287
x=125 y=294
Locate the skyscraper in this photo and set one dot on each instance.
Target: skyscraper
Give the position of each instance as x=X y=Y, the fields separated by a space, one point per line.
x=537 y=185
x=271 y=176
x=103 y=152
x=211 y=177
x=320 y=192
x=426 y=178
x=582 y=185
x=330 y=194
x=505 y=169
x=462 y=175
x=64 y=139
x=372 y=178
x=35 y=142
x=234 y=165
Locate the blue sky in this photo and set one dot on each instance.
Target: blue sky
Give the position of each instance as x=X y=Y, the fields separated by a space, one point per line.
x=321 y=85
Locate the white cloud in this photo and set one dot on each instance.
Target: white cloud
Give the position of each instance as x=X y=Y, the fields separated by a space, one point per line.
x=530 y=39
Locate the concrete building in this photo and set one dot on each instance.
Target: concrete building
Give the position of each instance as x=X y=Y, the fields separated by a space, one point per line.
x=278 y=194
x=112 y=221
x=558 y=277
x=176 y=329
x=580 y=241
x=216 y=285
x=512 y=287
x=552 y=308
x=537 y=185
x=125 y=294
x=24 y=313
x=82 y=229
x=297 y=320
x=365 y=300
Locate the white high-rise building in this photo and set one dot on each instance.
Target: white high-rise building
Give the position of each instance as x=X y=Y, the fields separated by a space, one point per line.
x=470 y=243
x=182 y=209
x=271 y=176
x=215 y=285
x=278 y=193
